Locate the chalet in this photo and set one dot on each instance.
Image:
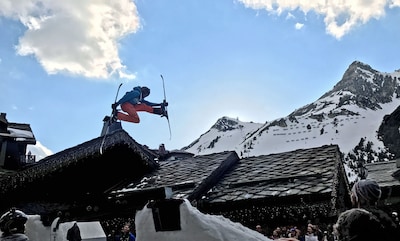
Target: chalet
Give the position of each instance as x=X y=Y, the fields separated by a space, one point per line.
x=14 y=138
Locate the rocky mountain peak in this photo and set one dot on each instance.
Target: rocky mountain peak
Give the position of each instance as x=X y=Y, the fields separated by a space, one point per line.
x=368 y=86
x=360 y=85
x=226 y=124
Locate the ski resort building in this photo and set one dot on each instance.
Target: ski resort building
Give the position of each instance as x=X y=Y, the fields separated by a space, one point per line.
x=113 y=176
x=14 y=138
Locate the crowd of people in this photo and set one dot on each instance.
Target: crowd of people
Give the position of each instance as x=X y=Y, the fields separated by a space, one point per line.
x=309 y=232
x=364 y=221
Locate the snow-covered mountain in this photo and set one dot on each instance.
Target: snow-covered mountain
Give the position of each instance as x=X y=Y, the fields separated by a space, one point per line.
x=350 y=115
x=38 y=150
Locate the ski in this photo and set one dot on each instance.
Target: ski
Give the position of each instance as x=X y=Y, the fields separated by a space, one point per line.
x=165 y=107
x=109 y=122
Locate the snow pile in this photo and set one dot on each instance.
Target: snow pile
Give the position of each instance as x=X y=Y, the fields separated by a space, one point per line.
x=35 y=229
x=90 y=231
x=195 y=226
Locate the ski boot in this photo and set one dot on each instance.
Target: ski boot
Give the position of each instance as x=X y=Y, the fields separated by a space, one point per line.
x=162 y=110
x=114 y=114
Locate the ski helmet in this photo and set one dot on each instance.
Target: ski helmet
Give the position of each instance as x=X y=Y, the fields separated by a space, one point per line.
x=145 y=91
x=13 y=221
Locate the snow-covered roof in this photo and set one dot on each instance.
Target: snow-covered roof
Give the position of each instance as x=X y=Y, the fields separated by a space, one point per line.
x=20 y=133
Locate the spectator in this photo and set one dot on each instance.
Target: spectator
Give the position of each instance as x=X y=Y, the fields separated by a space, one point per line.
x=12 y=224
x=259 y=229
x=74 y=233
x=296 y=233
x=359 y=225
x=292 y=233
x=275 y=234
x=310 y=234
x=126 y=234
x=365 y=193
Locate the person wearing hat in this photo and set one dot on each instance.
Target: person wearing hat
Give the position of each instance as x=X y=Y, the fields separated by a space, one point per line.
x=133 y=101
x=365 y=193
x=12 y=226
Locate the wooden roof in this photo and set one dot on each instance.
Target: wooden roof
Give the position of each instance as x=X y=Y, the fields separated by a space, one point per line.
x=299 y=172
x=188 y=178
x=384 y=173
x=303 y=177
x=74 y=172
x=281 y=188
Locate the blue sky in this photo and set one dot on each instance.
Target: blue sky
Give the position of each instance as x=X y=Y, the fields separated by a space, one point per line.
x=61 y=62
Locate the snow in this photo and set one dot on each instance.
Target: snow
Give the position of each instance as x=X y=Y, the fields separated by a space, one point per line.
x=195 y=226
x=22 y=134
x=90 y=231
x=39 y=150
x=343 y=130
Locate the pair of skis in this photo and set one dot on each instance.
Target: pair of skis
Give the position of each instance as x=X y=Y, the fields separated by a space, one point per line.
x=165 y=107
x=113 y=113
x=110 y=120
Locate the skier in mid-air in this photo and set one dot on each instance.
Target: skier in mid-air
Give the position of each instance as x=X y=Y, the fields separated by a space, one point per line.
x=133 y=101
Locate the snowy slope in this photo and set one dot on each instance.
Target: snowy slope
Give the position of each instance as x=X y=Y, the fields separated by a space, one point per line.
x=38 y=150
x=351 y=112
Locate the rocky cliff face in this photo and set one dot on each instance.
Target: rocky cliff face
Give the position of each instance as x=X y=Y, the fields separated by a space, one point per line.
x=389 y=132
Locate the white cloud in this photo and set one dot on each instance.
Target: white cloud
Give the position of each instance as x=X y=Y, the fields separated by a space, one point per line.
x=298 y=25
x=394 y=3
x=76 y=37
x=340 y=16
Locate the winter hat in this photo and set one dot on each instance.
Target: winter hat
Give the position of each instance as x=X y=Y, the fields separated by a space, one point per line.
x=366 y=192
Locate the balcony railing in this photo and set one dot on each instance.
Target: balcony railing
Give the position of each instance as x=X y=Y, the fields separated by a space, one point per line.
x=26 y=159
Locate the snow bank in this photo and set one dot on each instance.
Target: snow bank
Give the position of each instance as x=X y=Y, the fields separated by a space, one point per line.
x=195 y=226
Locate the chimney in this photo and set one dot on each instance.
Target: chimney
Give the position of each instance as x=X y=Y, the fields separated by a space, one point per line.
x=3 y=123
x=110 y=126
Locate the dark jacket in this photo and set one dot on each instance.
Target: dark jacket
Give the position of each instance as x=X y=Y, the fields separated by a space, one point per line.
x=125 y=237
x=74 y=233
x=134 y=97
